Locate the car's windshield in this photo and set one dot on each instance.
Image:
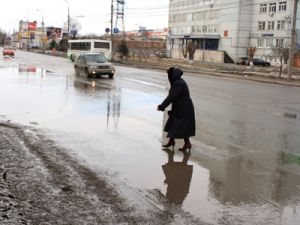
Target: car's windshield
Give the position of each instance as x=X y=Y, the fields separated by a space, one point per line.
x=95 y=58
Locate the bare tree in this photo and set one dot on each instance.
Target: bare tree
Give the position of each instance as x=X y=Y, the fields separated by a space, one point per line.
x=251 y=52
x=282 y=53
x=3 y=36
x=184 y=48
x=191 y=49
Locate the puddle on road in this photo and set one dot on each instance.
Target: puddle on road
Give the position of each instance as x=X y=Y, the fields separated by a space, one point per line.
x=244 y=167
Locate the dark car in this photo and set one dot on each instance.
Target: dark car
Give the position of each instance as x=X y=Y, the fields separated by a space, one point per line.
x=243 y=61
x=256 y=62
x=260 y=62
x=93 y=64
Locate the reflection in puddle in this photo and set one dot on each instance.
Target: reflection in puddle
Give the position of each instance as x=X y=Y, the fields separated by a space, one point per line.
x=178 y=177
x=113 y=97
x=26 y=69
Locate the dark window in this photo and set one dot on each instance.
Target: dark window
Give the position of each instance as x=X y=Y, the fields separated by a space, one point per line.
x=95 y=58
x=81 y=46
x=102 y=45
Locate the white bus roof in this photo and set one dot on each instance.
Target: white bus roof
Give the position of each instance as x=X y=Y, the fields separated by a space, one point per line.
x=88 y=40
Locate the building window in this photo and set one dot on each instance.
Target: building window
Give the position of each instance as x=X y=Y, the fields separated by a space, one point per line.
x=260 y=43
x=272 y=7
x=281 y=6
x=261 y=25
x=263 y=8
x=204 y=29
x=194 y=29
x=281 y=25
x=279 y=42
x=269 y=42
x=215 y=28
x=189 y=17
x=271 y=25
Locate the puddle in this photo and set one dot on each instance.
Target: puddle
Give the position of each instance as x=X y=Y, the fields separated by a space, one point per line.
x=244 y=165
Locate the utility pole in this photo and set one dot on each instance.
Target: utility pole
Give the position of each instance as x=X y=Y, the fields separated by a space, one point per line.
x=120 y=16
x=293 y=39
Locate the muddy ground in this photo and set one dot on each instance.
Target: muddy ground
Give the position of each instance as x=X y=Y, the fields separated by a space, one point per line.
x=41 y=184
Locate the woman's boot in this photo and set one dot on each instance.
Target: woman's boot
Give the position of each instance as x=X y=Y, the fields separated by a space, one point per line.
x=170 y=143
x=187 y=145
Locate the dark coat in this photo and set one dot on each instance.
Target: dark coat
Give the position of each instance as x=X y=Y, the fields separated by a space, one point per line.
x=181 y=121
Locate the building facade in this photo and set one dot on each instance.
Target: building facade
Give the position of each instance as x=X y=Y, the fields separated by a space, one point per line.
x=229 y=26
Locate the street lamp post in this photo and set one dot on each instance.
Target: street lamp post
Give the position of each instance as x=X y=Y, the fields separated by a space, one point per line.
x=68 y=18
x=293 y=39
x=28 y=35
x=43 y=31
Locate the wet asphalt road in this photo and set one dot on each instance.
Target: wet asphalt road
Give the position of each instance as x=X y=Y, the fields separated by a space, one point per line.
x=245 y=162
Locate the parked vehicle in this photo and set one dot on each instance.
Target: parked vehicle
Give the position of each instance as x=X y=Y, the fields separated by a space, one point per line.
x=8 y=51
x=161 y=54
x=243 y=61
x=256 y=62
x=76 y=47
x=260 y=62
x=93 y=64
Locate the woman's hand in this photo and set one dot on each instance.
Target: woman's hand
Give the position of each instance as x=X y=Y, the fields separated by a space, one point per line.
x=159 y=108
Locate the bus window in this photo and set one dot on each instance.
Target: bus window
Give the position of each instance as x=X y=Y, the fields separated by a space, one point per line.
x=102 y=45
x=81 y=46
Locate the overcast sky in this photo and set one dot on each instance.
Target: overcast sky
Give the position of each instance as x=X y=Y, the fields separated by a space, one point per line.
x=93 y=15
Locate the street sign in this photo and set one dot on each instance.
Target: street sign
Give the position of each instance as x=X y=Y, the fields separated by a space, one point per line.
x=73 y=32
x=116 y=30
x=107 y=30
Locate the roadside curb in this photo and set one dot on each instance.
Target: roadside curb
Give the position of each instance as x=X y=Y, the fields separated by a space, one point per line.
x=213 y=72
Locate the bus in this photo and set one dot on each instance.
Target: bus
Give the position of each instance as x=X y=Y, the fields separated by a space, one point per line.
x=76 y=47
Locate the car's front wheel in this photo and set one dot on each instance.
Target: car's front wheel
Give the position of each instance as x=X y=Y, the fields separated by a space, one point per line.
x=110 y=76
x=87 y=74
x=72 y=57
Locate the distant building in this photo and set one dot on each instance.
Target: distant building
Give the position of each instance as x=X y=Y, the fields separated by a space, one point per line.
x=144 y=33
x=229 y=26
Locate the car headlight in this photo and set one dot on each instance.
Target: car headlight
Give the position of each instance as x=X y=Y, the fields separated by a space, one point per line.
x=93 y=67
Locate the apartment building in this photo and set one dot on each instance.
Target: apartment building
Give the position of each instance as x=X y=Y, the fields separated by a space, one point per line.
x=229 y=26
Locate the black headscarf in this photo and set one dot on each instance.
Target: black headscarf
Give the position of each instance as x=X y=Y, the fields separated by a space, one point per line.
x=174 y=74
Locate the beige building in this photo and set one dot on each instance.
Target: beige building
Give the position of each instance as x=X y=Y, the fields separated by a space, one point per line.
x=227 y=28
